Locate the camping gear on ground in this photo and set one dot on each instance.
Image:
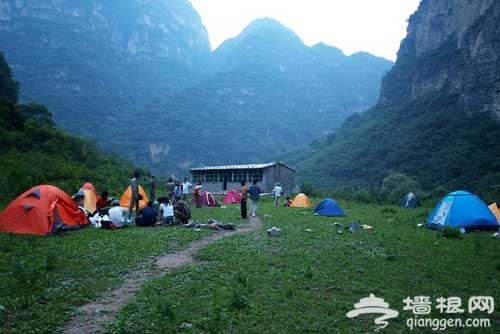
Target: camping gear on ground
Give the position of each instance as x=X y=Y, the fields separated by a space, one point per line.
x=329 y=208
x=206 y=199
x=301 y=201
x=353 y=227
x=274 y=232
x=369 y=228
x=232 y=196
x=42 y=210
x=496 y=210
x=409 y=201
x=462 y=209
x=127 y=195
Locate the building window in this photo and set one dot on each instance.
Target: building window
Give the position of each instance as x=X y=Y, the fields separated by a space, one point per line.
x=255 y=175
x=239 y=175
x=211 y=177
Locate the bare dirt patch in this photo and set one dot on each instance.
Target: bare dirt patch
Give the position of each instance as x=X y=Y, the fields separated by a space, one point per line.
x=93 y=317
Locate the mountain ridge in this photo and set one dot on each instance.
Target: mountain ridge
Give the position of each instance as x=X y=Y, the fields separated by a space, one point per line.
x=147 y=93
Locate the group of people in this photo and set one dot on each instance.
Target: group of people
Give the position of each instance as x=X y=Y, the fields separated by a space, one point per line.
x=174 y=190
x=173 y=205
x=166 y=215
x=253 y=193
x=171 y=208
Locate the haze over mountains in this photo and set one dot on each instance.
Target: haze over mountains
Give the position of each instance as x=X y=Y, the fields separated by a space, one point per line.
x=139 y=77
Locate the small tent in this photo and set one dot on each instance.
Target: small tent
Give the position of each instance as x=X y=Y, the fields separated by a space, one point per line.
x=328 y=207
x=89 y=200
x=42 y=210
x=463 y=210
x=409 y=201
x=127 y=195
x=301 y=201
x=496 y=211
x=232 y=196
x=206 y=199
x=89 y=186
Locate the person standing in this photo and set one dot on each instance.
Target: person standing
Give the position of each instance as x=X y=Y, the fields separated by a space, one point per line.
x=170 y=188
x=134 y=197
x=185 y=189
x=152 y=188
x=243 y=202
x=277 y=194
x=254 y=193
x=197 y=194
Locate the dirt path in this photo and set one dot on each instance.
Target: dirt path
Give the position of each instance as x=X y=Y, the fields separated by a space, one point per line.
x=95 y=316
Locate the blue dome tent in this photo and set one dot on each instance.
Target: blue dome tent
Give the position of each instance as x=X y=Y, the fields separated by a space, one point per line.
x=462 y=209
x=328 y=207
x=410 y=201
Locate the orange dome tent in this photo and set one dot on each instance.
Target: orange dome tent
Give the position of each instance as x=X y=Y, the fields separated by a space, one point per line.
x=127 y=195
x=42 y=210
x=494 y=208
x=301 y=201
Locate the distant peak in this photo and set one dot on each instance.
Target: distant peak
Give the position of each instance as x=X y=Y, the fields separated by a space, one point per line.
x=266 y=25
x=327 y=48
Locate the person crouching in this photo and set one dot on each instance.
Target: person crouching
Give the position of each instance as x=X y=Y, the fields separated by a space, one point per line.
x=147 y=216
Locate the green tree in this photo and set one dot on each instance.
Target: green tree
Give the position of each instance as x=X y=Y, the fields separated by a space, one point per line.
x=396 y=185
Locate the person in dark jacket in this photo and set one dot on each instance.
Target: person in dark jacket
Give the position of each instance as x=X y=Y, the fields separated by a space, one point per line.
x=147 y=216
x=254 y=193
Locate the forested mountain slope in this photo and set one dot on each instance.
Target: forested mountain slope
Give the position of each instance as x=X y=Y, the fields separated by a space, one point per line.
x=139 y=77
x=437 y=118
x=33 y=151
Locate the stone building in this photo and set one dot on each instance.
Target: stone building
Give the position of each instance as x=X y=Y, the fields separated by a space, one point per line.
x=220 y=179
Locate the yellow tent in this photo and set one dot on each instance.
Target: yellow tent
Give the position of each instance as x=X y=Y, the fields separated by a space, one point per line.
x=301 y=201
x=89 y=200
x=127 y=194
x=494 y=208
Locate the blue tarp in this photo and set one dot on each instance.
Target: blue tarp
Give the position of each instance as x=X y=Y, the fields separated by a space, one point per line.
x=328 y=207
x=462 y=209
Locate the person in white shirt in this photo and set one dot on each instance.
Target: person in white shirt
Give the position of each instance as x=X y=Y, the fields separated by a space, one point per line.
x=117 y=214
x=277 y=194
x=166 y=211
x=185 y=189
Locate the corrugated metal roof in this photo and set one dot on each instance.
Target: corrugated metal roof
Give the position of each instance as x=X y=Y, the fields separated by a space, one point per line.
x=249 y=166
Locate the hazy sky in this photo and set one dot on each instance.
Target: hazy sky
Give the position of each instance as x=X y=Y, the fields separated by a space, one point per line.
x=375 y=26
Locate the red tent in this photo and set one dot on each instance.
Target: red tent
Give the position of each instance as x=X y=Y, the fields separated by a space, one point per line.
x=232 y=196
x=206 y=199
x=41 y=210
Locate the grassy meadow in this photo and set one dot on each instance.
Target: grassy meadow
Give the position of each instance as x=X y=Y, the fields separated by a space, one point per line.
x=304 y=281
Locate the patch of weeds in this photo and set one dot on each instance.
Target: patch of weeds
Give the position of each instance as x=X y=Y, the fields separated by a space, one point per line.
x=52 y=262
x=308 y=273
x=242 y=279
x=26 y=273
x=391 y=257
x=168 y=311
x=390 y=210
x=3 y=315
x=451 y=232
x=218 y=319
x=238 y=302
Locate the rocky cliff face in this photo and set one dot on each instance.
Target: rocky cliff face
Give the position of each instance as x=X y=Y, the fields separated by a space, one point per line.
x=452 y=47
x=437 y=117
x=135 y=28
